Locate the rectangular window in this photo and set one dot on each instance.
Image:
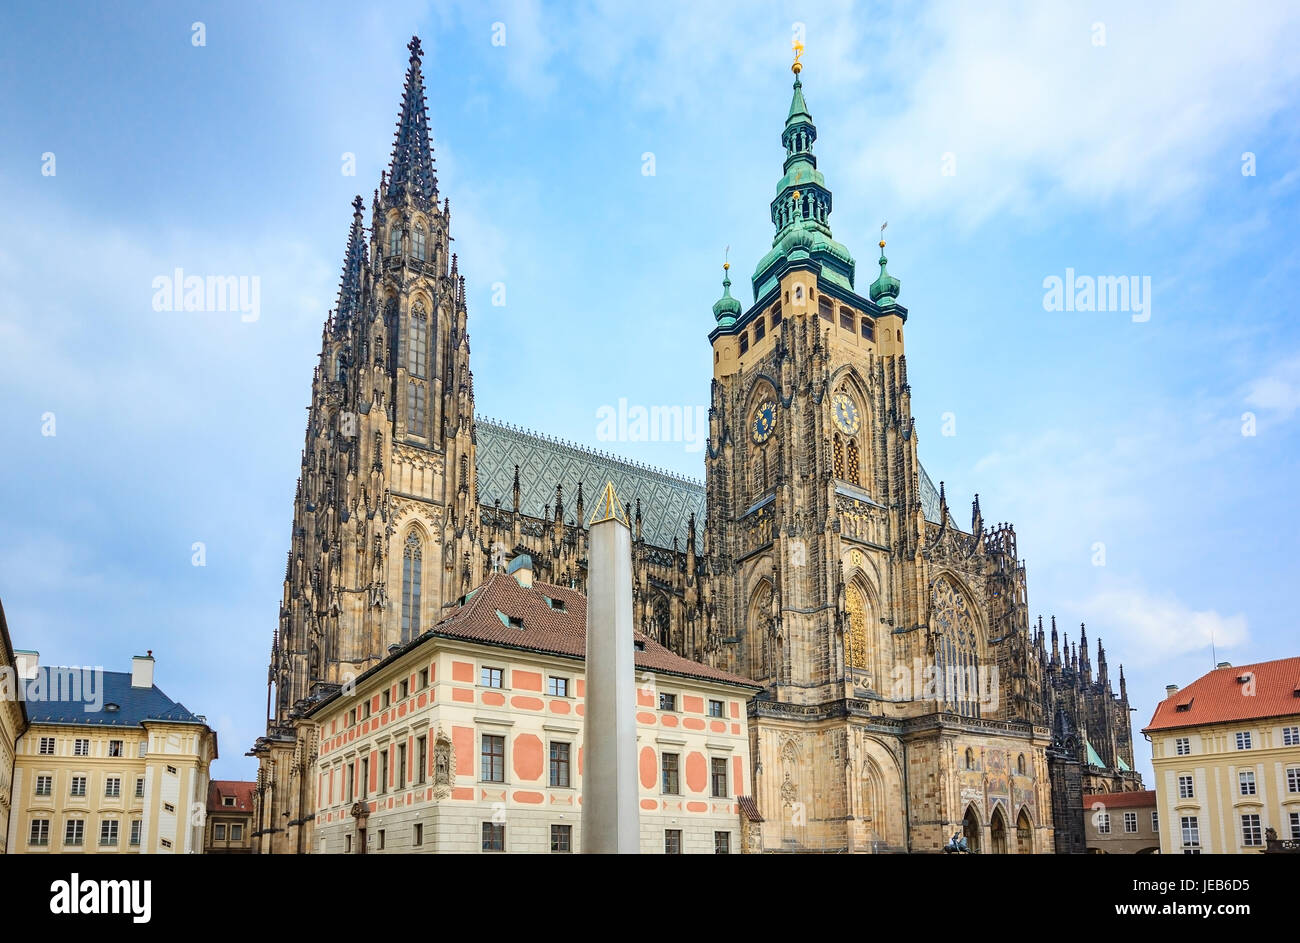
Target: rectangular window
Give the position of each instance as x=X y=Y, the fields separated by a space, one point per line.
x=494 y=837
x=493 y=767
x=561 y=838
x=165 y=842
x=668 y=702
x=402 y=690
x=422 y=756
x=349 y=777
x=776 y=315
x=1295 y=826
x=557 y=687
x=401 y=766
x=1293 y=779
x=352 y=717
x=44 y=785
x=744 y=342
x=417 y=835
x=1155 y=821
x=824 y=307
x=108 y=832
x=671 y=782
x=81 y=748
x=347 y=844
x=365 y=776
x=672 y=841
x=760 y=328
x=1246 y=782
x=1243 y=739
x=136 y=826
x=1130 y=821
x=1290 y=736
x=113 y=787
x=384 y=700
x=139 y=787
x=722 y=843
x=219 y=832
x=560 y=765
x=715 y=708
x=424 y=678
x=115 y=748
x=168 y=807
x=846 y=319
x=47 y=746
x=1182 y=746
x=1185 y=790
x=365 y=708
x=1191 y=835
x=1251 y=835
x=490 y=677
x=868 y=329
x=78 y=785
x=74 y=832
x=171 y=770
x=236 y=833
x=1103 y=823
x=40 y=832
x=383 y=772
x=719 y=777
x=228 y=800
x=380 y=840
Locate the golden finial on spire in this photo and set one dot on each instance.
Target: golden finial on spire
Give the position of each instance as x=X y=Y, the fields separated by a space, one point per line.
x=882 y=233
x=726 y=258
x=797 y=67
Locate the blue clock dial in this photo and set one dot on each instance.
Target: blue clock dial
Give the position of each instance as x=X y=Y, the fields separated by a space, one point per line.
x=764 y=422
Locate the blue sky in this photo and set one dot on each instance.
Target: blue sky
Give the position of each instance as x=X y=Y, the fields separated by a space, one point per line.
x=1080 y=427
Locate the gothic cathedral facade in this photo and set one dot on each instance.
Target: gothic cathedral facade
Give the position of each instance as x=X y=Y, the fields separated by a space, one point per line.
x=906 y=697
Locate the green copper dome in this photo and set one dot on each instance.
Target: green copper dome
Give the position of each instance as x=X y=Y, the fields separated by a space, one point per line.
x=885 y=286
x=726 y=309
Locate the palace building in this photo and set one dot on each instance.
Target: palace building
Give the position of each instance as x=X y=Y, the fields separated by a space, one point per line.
x=903 y=695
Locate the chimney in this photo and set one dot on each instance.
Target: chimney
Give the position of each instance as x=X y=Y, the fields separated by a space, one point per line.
x=521 y=567
x=27 y=664
x=1171 y=690
x=1224 y=664
x=142 y=670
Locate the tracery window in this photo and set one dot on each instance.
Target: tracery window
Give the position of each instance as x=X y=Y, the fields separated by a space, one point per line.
x=395 y=241
x=956 y=649
x=417 y=348
x=855 y=635
x=853 y=462
x=415 y=407
x=759 y=640
x=411 y=572
x=838 y=448
x=419 y=242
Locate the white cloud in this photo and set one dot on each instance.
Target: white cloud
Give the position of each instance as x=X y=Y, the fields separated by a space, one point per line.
x=1279 y=392
x=1156 y=628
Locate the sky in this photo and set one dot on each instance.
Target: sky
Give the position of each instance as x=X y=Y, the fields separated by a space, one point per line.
x=1148 y=459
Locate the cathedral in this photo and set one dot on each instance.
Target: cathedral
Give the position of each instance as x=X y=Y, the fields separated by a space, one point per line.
x=906 y=696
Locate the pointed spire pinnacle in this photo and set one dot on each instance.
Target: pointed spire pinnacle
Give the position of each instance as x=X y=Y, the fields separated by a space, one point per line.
x=411 y=170
x=349 y=300
x=608 y=508
x=726 y=309
x=885 y=286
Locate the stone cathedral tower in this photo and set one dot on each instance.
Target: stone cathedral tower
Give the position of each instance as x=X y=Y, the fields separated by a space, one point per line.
x=385 y=510
x=844 y=577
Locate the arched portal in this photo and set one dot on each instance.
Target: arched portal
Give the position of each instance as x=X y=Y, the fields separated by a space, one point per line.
x=1024 y=834
x=971 y=829
x=998 y=833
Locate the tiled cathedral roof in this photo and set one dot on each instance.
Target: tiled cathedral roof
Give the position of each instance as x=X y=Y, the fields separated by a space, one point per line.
x=667 y=500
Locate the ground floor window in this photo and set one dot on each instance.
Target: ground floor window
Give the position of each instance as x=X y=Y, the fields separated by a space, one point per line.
x=561 y=838
x=722 y=843
x=672 y=841
x=494 y=837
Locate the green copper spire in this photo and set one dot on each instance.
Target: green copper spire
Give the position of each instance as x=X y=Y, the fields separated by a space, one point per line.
x=802 y=207
x=885 y=286
x=726 y=309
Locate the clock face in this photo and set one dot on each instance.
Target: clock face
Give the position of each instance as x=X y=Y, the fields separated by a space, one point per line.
x=764 y=421
x=846 y=414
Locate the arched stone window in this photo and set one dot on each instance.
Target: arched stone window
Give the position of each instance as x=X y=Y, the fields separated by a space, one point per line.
x=415 y=412
x=419 y=242
x=956 y=649
x=838 y=457
x=412 y=565
x=395 y=241
x=417 y=347
x=970 y=758
x=661 y=623
x=759 y=633
x=1020 y=765
x=855 y=630
x=853 y=471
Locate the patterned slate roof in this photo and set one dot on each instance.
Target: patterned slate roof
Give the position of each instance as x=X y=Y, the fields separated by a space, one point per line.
x=1273 y=690
x=134 y=705
x=667 y=500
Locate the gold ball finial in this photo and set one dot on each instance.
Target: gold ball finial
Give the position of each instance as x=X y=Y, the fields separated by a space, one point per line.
x=726 y=266
x=882 y=243
x=795 y=196
x=796 y=67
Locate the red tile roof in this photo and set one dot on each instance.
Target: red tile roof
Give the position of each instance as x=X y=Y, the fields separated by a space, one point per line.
x=242 y=792
x=553 y=630
x=1122 y=800
x=1219 y=696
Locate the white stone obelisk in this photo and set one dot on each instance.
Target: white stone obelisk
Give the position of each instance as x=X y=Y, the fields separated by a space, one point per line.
x=611 y=822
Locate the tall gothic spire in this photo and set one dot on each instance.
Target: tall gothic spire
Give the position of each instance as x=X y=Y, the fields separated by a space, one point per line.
x=412 y=170
x=349 y=301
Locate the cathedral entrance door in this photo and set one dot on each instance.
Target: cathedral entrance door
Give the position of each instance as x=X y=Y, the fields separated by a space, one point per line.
x=998 y=833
